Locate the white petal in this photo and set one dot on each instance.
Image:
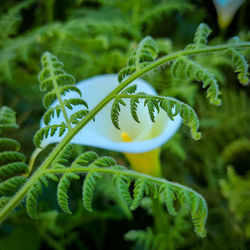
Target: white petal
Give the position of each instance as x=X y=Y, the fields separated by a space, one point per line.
x=146 y=135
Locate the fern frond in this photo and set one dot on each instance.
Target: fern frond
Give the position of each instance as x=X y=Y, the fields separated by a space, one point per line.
x=193 y=202
x=145 y=53
x=51 y=113
x=235 y=189
x=55 y=80
x=170 y=105
x=13 y=168
x=62 y=190
x=152 y=105
x=194 y=71
x=9 y=144
x=89 y=188
x=104 y=161
x=64 y=157
x=69 y=103
x=169 y=198
x=7 y=118
x=12 y=163
x=115 y=110
x=141 y=187
x=95 y=167
x=85 y=159
x=50 y=130
x=241 y=66
x=52 y=73
x=236 y=147
x=77 y=116
x=33 y=193
x=11 y=156
x=123 y=73
x=51 y=96
x=122 y=183
x=200 y=37
x=10 y=21
x=133 y=108
x=11 y=185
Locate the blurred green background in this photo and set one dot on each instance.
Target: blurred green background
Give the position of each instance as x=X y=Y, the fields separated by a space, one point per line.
x=96 y=37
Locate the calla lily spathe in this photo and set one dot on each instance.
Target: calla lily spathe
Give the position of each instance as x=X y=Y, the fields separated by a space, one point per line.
x=226 y=10
x=134 y=138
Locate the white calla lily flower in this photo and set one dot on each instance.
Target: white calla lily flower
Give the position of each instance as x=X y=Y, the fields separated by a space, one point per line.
x=226 y=10
x=139 y=141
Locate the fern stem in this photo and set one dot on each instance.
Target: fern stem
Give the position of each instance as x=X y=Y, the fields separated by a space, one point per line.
x=17 y=198
x=129 y=173
x=58 y=95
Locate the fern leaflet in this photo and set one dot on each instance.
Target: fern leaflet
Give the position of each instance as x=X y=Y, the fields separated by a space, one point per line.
x=145 y=53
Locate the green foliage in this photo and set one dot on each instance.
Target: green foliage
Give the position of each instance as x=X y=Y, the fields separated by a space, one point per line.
x=234 y=189
x=12 y=163
x=185 y=68
x=55 y=80
x=200 y=37
x=241 y=66
x=143 y=55
x=95 y=167
x=147 y=239
x=63 y=187
x=170 y=105
x=34 y=192
x=11 y=20
x=81 y=35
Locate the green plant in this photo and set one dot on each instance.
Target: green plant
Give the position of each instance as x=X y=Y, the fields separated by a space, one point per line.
x=61 y=162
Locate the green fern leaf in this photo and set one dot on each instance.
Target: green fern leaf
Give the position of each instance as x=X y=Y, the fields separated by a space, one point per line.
x=62 y=190
x=104 y=161
x=145 y=53
x=193 y=70
x=141 y=186
x=9 y=144
x=31 y=199
x=241 y=66
x=69 y=103
x=189 y=116
x=11 y=156
x=64 y=157
x=13 y=168
x=55 y=80
x=122 y=183
x=7 y=118
x=11 y=185
x=51 y=113
x=34 y=191
x=200 y=37
x=169 y=198
x=89 y=188
x=77 y=116
x=51 y=96
x=115 y=110
x=123 y=73
x=153 y=106
x=133 y=108
x=85 y=159
x=52 y=72
x=50 y=130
